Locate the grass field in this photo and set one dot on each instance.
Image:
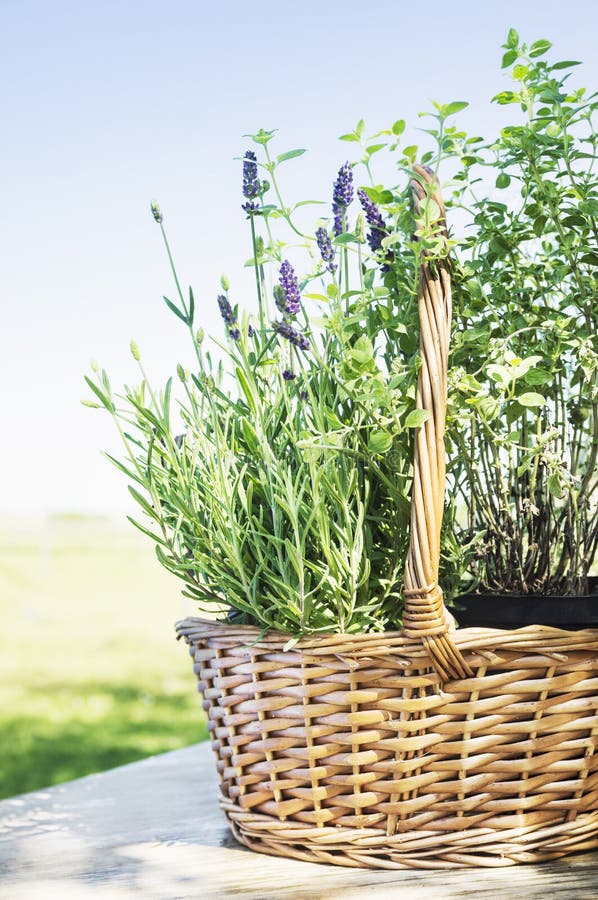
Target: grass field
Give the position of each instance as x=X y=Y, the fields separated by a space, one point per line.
x=90 y=673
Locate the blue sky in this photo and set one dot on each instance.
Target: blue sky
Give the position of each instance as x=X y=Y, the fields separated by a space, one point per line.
x=108 y=105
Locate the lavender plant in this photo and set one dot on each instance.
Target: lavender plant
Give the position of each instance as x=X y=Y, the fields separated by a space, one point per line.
x=285 y=492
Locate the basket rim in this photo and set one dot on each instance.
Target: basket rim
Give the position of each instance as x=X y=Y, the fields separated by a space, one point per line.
x=536 y=638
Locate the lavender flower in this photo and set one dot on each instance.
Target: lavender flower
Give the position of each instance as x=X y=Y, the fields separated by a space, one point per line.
x=251 y=184
x=234 y=333
x=250 y=331
x=292 y=335
x=374 y=220
x=288 y=375
x=326 y=249
x=226 y=310
x=288 y=297
x=342 y=196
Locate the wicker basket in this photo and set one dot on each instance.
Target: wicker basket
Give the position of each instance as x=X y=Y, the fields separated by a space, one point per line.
x=429 y=747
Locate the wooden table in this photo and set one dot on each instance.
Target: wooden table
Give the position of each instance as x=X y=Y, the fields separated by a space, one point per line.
x=153 y=829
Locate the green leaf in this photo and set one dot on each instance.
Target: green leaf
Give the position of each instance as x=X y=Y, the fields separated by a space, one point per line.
x=566 y=64
x=538 y=48
x=416 y=418
x=191 y=306
x=379 y=442
x=452 y=108
x=512 y=38
x=262 y=137
x=176 y=310
x=290 y=154
x=103 y=398
x=345 y=238
x=500 y=374
x=538 y=376
x=589 y=207
x=398 y=127
x=554 y=486
x=506 y=97
x=242 y=379
x=531 y=399
x=503 y=180
x=509 y=58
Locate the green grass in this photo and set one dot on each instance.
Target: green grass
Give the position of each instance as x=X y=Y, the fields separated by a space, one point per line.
x=91 y=675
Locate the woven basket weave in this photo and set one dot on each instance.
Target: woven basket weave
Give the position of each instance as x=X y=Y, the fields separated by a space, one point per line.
x=428 y=747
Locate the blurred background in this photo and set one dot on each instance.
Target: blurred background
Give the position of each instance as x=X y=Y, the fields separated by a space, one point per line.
x=106 y=106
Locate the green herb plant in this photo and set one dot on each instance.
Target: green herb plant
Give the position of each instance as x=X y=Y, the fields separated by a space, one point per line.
x=284 y=495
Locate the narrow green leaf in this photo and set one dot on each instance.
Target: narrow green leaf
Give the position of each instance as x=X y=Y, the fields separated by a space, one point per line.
x=566 y=64
x=290 y=154
x=99 y=394
x=191 y=306
x=176 y=310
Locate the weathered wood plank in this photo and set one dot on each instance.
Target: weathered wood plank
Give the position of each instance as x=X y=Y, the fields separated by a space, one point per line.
x=153 y=829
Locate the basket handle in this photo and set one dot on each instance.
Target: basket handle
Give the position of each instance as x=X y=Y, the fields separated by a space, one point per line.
x=425 y=616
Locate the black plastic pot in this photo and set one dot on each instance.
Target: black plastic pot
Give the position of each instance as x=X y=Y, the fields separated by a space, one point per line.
x=516 y=610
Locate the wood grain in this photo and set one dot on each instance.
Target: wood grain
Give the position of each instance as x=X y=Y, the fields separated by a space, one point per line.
x=153 y=830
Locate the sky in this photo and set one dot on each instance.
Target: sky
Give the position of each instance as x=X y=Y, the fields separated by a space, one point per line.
x=106 y=106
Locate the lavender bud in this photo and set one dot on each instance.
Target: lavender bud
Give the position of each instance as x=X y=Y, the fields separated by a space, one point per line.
x=374 y=220
x=342 y=196
x=156 y=212
x=251 y=184
x=292 y=335
x=226 y=310
x=224 y=282
x=250 y=331
x=288 y=375
x=234 y=333
x=135 y=351
x=303 y=395
x=290 y=288
x=326 y=249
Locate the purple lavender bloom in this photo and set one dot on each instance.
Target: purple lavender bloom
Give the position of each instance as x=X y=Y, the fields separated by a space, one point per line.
x=250 y=331
x=303 y=395
x=374 y=220
x=342 y=196
x=288 y=375
x=226 y=310
x=251 y=184
x=288 y=297
x=326 y=249
x=234 y=333
x=292 y=335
